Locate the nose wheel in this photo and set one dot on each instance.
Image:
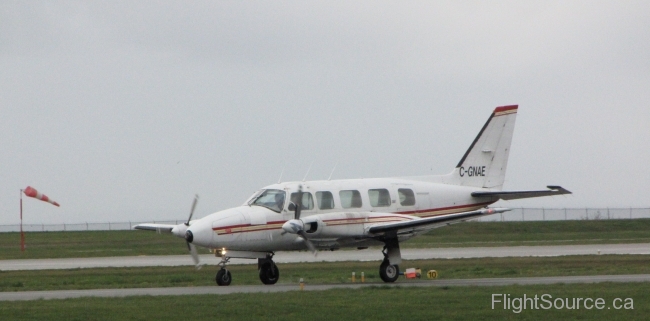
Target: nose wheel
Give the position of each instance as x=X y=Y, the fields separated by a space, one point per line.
x=223 y=277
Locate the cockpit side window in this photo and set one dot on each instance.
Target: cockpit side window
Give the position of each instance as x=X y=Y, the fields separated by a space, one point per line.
x=307 y=200
x=272 y=199
x=325 y=200
x=350 y=199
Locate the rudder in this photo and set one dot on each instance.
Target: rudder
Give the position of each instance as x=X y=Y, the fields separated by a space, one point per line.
x=484 y=163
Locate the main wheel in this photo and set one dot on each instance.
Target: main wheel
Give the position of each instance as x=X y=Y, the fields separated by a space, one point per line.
x=224 y=277
x=269 y=273
x=388 y=273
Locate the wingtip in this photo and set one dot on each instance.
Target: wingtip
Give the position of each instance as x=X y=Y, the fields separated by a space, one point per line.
x=560 y=189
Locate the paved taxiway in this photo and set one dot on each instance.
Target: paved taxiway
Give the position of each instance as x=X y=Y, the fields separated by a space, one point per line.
x=328 y=256
x=68 y=294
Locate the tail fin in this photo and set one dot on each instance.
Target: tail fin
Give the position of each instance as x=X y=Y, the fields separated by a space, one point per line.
x=484 y=164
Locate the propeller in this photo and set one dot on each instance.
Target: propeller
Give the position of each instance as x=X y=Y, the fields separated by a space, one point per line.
x=196 y=199
x=195 y=255
x=298 y=207
x=310 y=245
x=296 y=225
x=189 y=237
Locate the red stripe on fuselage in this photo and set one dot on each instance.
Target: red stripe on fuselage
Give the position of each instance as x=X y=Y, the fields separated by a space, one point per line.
x=361 y=218
x=444 y=208
x=355 y=220
x=246 y=225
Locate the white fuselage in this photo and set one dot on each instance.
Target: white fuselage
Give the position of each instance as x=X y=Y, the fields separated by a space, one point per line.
x=337 y=208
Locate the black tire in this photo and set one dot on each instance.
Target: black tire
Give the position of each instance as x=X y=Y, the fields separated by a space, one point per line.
x=269 y=273
x=223 y=277
x=388 y=273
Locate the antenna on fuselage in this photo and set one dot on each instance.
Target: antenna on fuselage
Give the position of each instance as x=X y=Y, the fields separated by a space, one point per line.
x=281 y=173
x=312 y=163
x=337 y=163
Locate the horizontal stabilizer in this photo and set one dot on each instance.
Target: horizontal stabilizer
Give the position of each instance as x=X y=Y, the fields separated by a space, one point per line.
x=511 y=195
x=167 y=228
x=440 y=219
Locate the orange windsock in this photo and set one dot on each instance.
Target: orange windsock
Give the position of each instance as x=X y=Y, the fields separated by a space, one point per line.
x=32 y=192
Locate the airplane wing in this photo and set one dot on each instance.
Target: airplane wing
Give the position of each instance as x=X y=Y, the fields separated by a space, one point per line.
x=511 y=195
x=431 y=222
x=167 y=228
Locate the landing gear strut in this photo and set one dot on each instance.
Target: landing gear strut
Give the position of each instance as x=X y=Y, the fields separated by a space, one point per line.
x=223 y=276
x=387 y=271
x=269 y=273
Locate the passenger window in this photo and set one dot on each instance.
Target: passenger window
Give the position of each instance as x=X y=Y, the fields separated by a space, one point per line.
x=325 y=200
x=406 y=197
x=379 y=197
x=307 y=200
x=350 y=199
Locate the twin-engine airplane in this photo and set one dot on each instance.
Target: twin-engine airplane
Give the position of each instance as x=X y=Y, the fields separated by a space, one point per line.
x=333 y=214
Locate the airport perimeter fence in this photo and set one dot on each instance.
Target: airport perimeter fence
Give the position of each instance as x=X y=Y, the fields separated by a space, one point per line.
x=516 y=214
x=110 y=226
x=565 y=214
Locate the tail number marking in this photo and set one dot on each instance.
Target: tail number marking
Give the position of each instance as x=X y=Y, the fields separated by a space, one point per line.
x=472 y=171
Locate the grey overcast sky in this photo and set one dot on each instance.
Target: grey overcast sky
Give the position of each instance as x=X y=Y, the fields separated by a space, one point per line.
x=123 y=110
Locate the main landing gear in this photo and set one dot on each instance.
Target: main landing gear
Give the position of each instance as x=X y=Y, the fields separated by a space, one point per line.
x=269 y=273
x=390 y=272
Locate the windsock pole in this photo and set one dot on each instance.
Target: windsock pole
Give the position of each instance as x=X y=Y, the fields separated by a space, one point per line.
x=31 y=192
x=22 y=234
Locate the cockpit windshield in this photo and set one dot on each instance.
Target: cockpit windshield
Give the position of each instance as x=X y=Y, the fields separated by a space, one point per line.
x=272 y=199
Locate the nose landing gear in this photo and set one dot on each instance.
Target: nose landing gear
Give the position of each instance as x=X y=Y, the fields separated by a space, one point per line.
x=223 y=277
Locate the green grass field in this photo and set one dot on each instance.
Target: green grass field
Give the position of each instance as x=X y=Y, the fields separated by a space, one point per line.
x=475 y=234
x=130 y=243
x=321 y=273
x=378 y=303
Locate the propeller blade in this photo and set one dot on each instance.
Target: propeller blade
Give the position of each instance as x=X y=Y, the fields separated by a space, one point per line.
x=196 y=199
x=194 y=254
x=310 y=245
x=298 y=203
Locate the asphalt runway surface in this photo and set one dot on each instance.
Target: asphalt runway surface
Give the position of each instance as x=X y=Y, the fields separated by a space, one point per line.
x=329 y=256
x=216 y=290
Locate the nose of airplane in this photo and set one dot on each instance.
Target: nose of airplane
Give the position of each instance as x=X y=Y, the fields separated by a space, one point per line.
x=199 y=233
